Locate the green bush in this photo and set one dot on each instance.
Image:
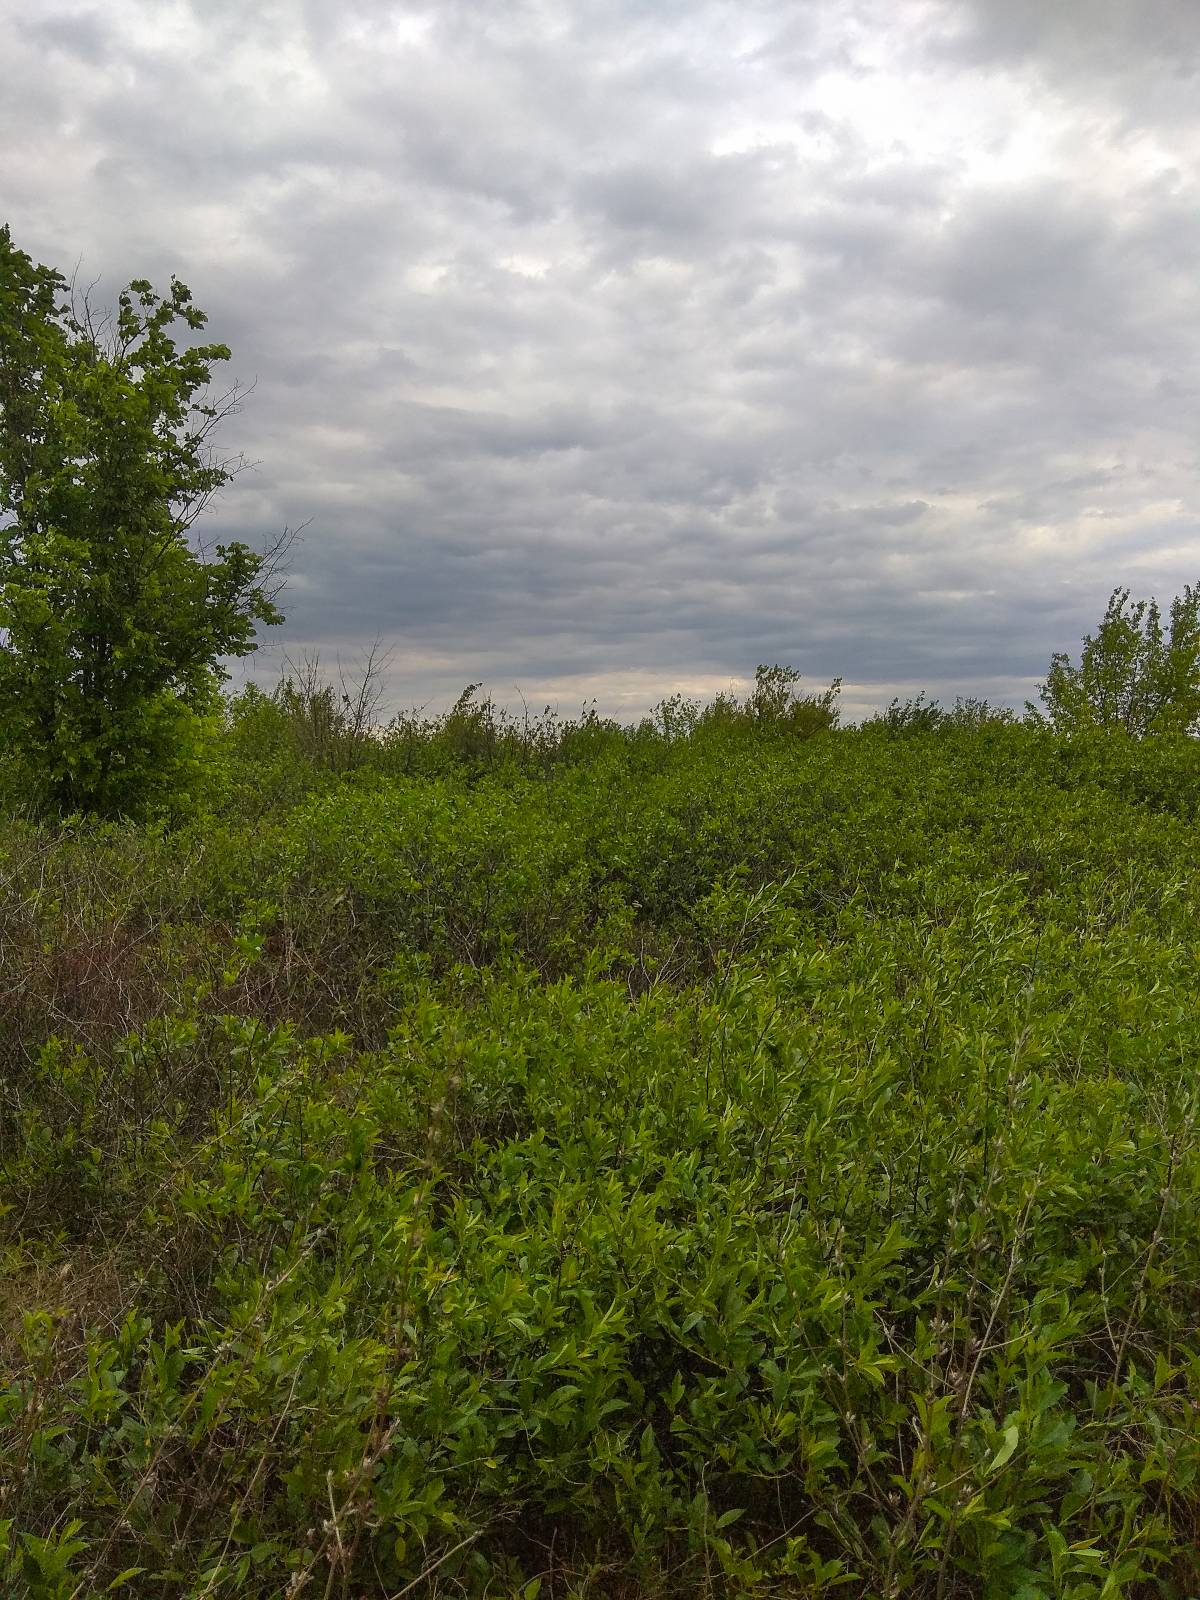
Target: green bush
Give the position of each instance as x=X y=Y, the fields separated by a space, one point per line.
x=665 y=1164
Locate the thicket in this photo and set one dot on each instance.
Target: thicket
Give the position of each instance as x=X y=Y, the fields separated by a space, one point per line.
x=733 y=1156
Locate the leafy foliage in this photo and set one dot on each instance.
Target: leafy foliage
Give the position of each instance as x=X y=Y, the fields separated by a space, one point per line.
x=657 y=1164
x=112 y=625
x=1132 y=675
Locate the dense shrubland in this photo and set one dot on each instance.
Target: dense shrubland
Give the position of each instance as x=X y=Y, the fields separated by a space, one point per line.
x=496 y=1157
x=492 y=1156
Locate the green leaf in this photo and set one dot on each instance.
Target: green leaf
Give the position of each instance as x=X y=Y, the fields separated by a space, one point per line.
x=1005 y=1452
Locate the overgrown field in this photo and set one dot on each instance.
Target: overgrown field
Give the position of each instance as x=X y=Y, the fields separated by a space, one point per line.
x=729 y=1163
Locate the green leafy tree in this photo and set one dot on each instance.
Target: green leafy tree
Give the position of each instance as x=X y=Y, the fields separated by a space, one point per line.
x=113 y=620
x=1134 y=672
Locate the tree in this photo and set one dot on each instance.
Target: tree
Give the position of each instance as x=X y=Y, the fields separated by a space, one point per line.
x=1133 y=674
x=113 y=622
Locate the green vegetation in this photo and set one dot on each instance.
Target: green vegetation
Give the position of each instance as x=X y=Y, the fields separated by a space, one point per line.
x=734 y=1156
x=1131 y=674
x=112 y=624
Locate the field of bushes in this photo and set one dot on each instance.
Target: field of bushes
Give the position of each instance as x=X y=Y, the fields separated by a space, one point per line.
x=732 y=1157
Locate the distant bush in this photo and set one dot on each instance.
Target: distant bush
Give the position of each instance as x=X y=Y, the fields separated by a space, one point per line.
x=919 y=714
x=773 y=705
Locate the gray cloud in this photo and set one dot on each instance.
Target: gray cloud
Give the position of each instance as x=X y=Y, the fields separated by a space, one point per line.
x=617 y=347
x=1106 y=40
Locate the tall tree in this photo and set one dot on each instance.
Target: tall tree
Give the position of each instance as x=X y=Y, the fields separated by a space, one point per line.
x=1133 y=674
x=113 y=621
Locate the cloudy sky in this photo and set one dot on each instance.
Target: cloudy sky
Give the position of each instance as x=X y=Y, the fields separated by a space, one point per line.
x=611 y=347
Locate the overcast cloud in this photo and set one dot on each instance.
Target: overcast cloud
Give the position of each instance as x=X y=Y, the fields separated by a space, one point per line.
x=615 y=346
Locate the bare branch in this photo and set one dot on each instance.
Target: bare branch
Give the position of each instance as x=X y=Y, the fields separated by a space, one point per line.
x=363 y=688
